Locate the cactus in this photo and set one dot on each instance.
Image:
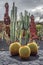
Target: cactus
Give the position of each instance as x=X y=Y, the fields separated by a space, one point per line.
x=24 y=52
x=14 y=48
x=13 y=23
x=34 y=47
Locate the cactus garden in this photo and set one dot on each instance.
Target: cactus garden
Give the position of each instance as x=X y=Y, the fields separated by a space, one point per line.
x=21 y=32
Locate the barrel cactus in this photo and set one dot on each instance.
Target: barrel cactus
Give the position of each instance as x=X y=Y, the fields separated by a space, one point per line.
x=24 y=52
x=14 y=48
x=33 y=47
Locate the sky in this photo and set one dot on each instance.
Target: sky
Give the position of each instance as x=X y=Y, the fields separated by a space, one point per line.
x=34 y=7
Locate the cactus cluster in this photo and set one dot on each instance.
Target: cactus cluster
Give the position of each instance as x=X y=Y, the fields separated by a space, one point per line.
x=24 y=51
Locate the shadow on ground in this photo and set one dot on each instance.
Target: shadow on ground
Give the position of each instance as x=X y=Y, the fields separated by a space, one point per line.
x=31 y=58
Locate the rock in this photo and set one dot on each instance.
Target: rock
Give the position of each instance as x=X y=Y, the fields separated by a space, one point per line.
x=41 y=62
x=40 y=58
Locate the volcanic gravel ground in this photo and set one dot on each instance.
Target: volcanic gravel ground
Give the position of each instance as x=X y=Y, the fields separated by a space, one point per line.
x=7 y=59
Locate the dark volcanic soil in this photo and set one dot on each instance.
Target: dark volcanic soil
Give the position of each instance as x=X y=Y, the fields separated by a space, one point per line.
x=5 y=46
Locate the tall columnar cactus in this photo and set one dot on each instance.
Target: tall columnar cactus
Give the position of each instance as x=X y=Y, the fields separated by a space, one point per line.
x=26 y=24
x=21 y=26
x=13 y=23
x=11 y=27
x=27 y=29
x=25 y=19
x=18 y=30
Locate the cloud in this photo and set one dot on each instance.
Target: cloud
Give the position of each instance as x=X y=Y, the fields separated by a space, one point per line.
x=38 y=13
x=41 y=20
x=35 y=7
x=38 y=9
x=31 y=3
x=37 y=19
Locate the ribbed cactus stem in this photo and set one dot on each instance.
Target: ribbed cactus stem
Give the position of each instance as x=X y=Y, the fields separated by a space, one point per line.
x=20 y=28
x=13 y=23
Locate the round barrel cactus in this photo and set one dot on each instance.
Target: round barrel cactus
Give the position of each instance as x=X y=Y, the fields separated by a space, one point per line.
x=24 y=52
x=14 y=48
x=33 y=47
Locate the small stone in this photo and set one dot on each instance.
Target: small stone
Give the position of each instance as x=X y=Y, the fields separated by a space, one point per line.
x=34 y=63
x=25 y=63
x=13 y=64
x=41 y=62
x=37 y=61
x=40 y=58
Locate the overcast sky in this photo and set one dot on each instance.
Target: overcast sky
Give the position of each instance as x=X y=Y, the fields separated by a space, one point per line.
x=33 y=6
